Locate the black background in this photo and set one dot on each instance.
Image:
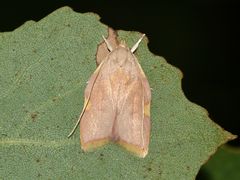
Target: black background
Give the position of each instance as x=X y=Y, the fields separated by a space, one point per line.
x=199 y=37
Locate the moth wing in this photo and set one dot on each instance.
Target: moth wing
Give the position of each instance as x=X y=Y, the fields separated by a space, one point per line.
x=97 y=121
x=133 y=123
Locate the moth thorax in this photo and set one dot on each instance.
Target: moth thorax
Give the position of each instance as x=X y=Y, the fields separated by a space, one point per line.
x=122 y=56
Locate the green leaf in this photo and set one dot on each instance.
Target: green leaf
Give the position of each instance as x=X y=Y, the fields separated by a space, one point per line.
x=223 y=165
x=43 y=72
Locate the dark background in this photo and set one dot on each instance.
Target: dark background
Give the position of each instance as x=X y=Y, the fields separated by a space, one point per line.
x=198 y=37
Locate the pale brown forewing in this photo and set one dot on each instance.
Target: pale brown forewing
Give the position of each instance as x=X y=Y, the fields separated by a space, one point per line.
x=133 y=123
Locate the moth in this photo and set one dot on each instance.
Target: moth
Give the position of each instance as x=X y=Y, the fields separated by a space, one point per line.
x=117 y=103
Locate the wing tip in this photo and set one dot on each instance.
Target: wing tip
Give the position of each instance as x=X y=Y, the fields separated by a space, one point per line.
x=135 y=149
x=91 y=145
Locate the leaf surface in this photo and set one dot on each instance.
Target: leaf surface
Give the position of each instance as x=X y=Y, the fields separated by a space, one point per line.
x=223 y=165
x=44 y=67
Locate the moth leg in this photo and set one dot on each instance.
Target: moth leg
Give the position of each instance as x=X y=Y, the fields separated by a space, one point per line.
x=108 y=44
x=137 y=43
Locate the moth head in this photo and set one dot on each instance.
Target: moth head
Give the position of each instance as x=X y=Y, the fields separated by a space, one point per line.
x=123 y=44
x=135 y=46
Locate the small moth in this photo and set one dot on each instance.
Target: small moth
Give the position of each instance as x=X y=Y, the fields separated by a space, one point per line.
x=117 y=103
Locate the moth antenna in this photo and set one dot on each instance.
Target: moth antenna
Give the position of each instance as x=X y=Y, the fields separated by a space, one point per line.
x=136 y=45
x=76 y=125
x=108 y=44
x=85 y=104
